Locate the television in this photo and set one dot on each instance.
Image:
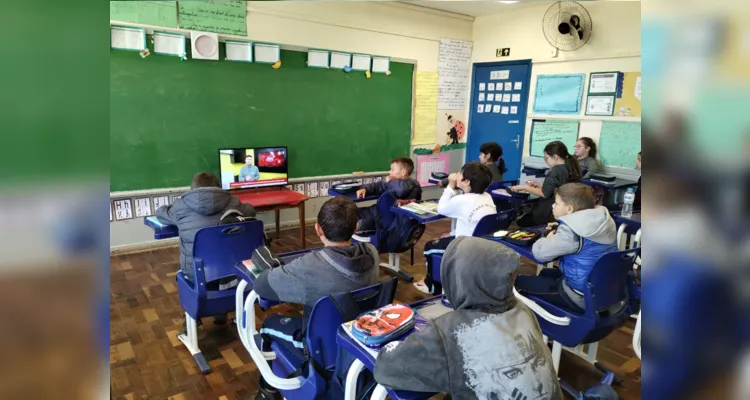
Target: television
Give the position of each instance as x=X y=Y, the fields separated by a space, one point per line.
x=248 y=168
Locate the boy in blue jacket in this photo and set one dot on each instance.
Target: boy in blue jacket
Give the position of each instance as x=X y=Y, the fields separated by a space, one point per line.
x=397 y=182
x=584 y=232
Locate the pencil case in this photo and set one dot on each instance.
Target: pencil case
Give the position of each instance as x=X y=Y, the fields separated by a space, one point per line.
x=522 y=238
x=377 y=327
x=346 y=187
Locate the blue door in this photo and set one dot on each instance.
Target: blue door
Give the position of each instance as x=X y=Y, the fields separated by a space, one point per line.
x=499 y=98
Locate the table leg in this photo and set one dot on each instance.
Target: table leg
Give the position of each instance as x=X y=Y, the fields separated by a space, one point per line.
x=302 y=223
x=276 y=213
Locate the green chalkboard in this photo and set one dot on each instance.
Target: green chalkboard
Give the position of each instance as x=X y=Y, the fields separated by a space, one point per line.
x=619 y=143
x=545 y=131
x=169 y=118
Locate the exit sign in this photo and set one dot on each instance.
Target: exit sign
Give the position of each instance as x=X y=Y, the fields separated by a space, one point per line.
x=502 y=52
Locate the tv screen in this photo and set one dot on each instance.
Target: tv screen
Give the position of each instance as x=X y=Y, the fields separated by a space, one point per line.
x=247 y=168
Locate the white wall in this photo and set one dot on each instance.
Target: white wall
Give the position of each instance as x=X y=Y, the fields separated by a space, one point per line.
x=403 y=32
x=615 y=45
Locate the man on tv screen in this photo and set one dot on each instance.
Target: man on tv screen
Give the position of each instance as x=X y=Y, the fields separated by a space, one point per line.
x=249 y=172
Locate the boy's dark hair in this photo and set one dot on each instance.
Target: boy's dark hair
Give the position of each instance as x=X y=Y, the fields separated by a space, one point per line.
x=478 y=175
x=405 y=163
x=205 y=179
x=558 y=148
x=578 y=195
x=338 y=219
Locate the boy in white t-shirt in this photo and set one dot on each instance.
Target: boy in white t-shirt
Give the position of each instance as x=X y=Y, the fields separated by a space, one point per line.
x=468 y=209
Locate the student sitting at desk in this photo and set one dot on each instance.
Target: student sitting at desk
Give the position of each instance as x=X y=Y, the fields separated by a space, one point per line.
x=203 y=206
x=489 y=347
x=564 y=168
x=467 y=208
x=585 y=152
x=584 y=233
x=397 y=182
x=339 y=267
x=490 y=155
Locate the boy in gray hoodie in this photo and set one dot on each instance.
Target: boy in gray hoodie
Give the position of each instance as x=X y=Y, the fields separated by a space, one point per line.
x=201 y=207
x=584 y=232
x=489 y=347
x=338 y=267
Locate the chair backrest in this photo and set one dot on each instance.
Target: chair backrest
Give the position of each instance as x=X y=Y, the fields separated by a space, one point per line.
x=325 y=318
x=385 y=216
x=608 y=283
x=217 y=249
x=490 y=224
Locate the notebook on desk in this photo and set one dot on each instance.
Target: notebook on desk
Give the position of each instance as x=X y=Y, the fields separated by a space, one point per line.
x=422 y=208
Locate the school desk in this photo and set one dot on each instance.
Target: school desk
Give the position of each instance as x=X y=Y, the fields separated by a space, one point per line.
x=423 y=218
x=524 y=251
x=277 y=199
x=247 y=278
x=627 y=226
x=618 y=183
x=161 y=231
x=503 y=194
x=365 y=356
x=353 y=196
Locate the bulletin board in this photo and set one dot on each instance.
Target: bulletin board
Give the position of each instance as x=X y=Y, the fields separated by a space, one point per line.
x=629 y=104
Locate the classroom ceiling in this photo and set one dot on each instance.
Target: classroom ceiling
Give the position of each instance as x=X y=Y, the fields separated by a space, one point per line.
x=475 y=8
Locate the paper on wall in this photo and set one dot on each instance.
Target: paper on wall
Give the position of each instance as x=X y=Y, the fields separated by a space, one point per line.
x=454 y=69
x=425 y=109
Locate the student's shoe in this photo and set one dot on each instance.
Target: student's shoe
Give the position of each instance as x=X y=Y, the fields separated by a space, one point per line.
x=422 y=287
x=267 y=394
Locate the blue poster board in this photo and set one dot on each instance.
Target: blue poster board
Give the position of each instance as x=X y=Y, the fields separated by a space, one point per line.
x=559 y=94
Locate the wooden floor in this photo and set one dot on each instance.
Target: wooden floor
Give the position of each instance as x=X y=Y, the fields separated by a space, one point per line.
x=148 y=362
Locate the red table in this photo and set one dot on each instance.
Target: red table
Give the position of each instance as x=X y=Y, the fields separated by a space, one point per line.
x=277 y=199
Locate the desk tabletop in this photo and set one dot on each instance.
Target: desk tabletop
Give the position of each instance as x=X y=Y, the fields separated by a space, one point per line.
x=161 y=231
x=353 y=196
x=618 y=183
x=272 y=197
x=423 y=218
x=503 y=194
x=524 y=251
x=425 y=310
x=634 y=220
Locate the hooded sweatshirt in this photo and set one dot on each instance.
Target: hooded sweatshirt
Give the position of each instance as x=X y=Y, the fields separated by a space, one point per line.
x=199 y=208
x=580 y=240
x=489 y=347
x=316 y=274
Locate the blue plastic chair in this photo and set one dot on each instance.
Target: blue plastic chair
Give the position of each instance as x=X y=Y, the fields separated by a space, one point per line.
x=607 y=297
x=215 y=252
x=488 y=225
x=320 y=339
x=386 y=217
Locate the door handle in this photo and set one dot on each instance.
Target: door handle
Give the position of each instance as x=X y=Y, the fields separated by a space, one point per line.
x=516 y=140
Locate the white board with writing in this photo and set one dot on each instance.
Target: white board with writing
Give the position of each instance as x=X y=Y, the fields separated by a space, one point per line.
x=454 y=69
